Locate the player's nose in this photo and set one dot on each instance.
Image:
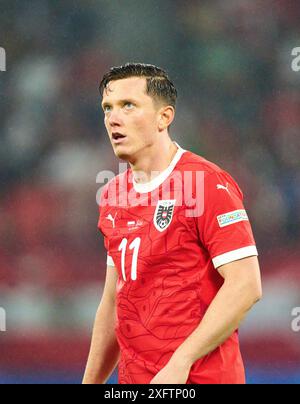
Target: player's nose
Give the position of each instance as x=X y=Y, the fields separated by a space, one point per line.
x=114 y=118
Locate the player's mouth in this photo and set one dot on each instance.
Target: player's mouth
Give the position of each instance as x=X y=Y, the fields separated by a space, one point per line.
x=118 y=138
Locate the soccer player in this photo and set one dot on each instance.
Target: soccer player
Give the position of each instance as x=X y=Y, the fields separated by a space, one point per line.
x=182 y=267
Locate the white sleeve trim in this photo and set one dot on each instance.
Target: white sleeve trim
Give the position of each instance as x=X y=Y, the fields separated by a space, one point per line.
x=110 y=261
x=234 y=255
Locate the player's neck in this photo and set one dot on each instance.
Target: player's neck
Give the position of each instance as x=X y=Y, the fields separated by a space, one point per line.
x=156 y=160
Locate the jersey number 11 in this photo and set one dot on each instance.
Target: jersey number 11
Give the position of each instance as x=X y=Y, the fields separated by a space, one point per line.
x=135 y=245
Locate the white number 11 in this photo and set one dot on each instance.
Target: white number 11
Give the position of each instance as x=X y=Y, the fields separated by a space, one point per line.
x=123 y=247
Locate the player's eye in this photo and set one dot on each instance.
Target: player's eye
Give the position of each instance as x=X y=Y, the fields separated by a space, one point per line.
x=128 y=105
x=106 y=108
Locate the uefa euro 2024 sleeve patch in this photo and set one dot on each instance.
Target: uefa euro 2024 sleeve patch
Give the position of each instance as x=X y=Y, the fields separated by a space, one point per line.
x=164 y=214
x=232 y=217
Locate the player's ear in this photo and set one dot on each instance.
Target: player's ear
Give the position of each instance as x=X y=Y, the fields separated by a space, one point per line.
x=165 y=117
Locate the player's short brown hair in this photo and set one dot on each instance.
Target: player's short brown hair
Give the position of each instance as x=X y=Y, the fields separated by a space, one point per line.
x=159 y=86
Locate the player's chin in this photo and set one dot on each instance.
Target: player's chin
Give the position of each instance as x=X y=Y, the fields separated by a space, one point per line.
x=122 y=152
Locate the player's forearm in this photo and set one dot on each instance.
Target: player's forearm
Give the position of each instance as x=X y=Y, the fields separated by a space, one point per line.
x=222 y=318
x=104 y=351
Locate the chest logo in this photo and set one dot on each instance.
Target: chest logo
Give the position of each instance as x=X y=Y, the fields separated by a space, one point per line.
x=164 y=214
x=112 y=219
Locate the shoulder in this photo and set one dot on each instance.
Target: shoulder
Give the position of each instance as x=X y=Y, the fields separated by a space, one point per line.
x=116 y=182
x=212 y=174
x=193 y=162
x=109 y=193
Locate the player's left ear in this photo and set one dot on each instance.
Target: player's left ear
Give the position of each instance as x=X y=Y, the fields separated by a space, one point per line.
x=165 y=117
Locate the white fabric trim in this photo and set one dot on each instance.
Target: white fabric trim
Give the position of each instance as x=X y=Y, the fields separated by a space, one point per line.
x=110 y=261
x=157 y=181
x=234 y=255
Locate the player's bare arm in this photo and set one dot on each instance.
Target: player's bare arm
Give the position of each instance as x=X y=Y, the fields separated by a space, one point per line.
x=104 y=352
x=240 y=291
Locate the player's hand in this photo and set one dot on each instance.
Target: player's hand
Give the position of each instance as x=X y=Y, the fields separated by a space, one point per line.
x=172 y=374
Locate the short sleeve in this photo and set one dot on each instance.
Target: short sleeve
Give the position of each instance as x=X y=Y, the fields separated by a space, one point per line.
x=109 y=260
x=224 y=228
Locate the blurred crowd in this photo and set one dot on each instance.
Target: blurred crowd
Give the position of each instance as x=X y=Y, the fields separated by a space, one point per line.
x=239 y=106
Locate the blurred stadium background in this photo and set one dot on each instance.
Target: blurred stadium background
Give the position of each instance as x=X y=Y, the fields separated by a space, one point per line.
x=239 y=106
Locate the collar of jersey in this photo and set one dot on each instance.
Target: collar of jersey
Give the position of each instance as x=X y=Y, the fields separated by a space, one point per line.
x=157 y=181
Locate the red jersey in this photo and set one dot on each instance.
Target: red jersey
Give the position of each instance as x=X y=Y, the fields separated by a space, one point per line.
x=166 y=239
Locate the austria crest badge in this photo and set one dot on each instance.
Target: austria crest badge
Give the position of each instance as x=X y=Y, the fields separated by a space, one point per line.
x=164 y=214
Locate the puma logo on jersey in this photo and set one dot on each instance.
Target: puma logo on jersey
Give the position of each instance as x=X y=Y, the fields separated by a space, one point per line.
x=219 y=186
x=112 y=219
